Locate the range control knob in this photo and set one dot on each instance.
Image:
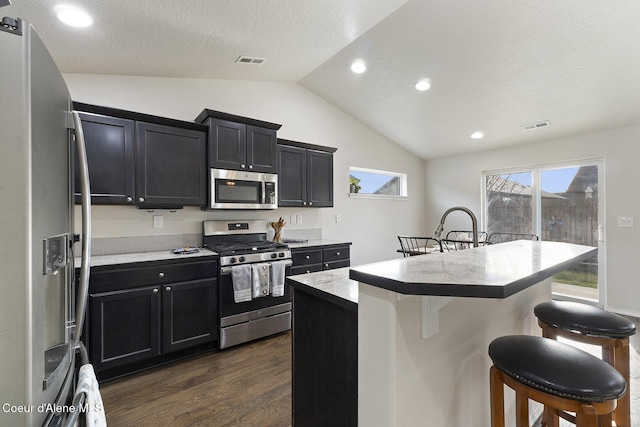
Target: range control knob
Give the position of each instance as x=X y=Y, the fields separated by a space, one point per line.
x=233 y=260
x=281 y=255
x=242 y=259
x=274 y=255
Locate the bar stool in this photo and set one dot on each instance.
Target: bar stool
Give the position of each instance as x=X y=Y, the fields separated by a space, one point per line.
x=592 y=325
x=557 y=375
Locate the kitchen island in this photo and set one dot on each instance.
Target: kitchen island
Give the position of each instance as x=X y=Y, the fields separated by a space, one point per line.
x=424 y=325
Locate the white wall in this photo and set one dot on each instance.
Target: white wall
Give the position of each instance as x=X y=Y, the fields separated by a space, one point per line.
x=458 y=181
x=372 y=225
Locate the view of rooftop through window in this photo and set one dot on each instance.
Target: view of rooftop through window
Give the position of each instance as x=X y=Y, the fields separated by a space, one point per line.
x=369 y=181
x=558 y=204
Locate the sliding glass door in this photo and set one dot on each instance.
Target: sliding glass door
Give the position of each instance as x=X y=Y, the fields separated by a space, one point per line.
x=559 y=203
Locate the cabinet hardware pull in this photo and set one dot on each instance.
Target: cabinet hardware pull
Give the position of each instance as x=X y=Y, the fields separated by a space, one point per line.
x=161 y=275
x=155 y=291
x=141 y=199
x=304 y=203
x=242 y=166
x=250 y=166
x=338 y=253
x=306 y=257
x=310 y=203
x=129 y=199
x=168 y=289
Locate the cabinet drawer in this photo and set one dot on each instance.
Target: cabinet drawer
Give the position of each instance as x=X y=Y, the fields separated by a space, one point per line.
x=306 y=269
x=335 y=254
x=125 y=277
x=307 y=257
x=336 y=264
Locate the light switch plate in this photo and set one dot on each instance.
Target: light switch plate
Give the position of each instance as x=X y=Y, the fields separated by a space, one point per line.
x=625 y=221
x=158 y=221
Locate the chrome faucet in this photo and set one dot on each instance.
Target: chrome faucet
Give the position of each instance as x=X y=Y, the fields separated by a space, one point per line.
x=474 y=223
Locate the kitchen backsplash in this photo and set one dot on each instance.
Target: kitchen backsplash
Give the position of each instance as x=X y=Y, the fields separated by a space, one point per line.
x=132 y=244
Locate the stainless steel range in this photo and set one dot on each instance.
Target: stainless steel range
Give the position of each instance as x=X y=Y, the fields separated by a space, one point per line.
x=253 y=301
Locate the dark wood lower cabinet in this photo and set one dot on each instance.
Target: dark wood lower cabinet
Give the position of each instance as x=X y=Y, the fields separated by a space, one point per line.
x=147 y=314
x=187 y=318
x=124 y=326
x=325 y=362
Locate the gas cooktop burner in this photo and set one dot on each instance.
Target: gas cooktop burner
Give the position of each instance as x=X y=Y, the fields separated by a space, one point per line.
x=230 y=248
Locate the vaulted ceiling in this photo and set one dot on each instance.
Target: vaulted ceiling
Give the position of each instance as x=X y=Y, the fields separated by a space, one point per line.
x=493 y=65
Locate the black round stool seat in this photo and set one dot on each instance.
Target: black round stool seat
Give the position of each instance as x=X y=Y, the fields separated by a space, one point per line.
x=556 y=368
x=583 y=318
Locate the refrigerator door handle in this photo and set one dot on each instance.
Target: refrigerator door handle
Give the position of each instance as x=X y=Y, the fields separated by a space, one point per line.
x=83 y=286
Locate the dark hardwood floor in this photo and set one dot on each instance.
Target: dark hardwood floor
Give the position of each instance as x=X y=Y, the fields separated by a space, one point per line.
x=248 y=385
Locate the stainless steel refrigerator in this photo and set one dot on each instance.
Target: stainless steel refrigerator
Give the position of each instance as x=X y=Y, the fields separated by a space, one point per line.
x=39 y=298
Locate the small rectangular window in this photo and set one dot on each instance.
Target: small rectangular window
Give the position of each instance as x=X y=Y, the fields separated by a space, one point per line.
x=376 y=183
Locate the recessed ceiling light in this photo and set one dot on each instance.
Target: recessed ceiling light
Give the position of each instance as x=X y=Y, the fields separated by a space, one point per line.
x=477 y=135
x=73 y=16
x=423 y=85
x=358 y=66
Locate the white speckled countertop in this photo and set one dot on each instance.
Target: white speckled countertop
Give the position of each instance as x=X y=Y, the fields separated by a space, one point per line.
x=332 y=283
x=317 y=242
x=494 y=271
x=100 y=260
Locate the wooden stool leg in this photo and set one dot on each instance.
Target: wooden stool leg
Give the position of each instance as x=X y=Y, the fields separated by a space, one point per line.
x=587 y=417
x=622 y=414
x=606 y=420
x=522 y=411
x=497 y=398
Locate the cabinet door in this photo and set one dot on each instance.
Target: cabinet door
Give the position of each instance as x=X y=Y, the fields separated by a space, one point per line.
x=261 y=149
x=110 y=157
x=319 y=179
x=292 y=176
x=227 y=144
x=124 y=327
x=170 y=166
x=189 y=314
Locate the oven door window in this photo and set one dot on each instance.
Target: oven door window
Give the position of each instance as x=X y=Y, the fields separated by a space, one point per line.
x=237 y=191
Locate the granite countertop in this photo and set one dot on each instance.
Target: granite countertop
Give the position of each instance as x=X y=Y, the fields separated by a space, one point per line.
x=493 y=271
x=100 y=260
x=317 y=242
x=334 y=285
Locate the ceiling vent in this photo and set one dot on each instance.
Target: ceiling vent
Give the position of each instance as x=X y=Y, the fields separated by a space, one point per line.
x=532 y=126
x=250 y=60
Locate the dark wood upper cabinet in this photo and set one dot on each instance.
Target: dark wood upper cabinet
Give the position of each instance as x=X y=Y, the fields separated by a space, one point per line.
x=110 y=158
x=170 y=167
x=305 y=175
x=228 y=144
x=143 y=160
x=319 y=179
x=292 y=173
x=261 y=149
x=240 y=143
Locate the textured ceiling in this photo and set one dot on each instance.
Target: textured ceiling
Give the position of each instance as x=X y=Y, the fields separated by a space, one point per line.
x=494 y=65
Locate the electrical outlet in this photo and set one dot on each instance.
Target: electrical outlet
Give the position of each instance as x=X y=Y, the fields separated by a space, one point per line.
x=158 y=221
x=625 y=221
x=338 y=218
x=292 y=220
x=299 y=219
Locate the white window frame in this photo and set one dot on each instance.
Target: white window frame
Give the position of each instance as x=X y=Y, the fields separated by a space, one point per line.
x=402 y=181
x=535 y=178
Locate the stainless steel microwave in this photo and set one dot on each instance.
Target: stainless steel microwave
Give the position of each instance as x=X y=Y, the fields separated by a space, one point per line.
x=243 y=190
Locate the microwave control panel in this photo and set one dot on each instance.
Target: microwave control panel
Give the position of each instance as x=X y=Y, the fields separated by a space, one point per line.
x=270 y=193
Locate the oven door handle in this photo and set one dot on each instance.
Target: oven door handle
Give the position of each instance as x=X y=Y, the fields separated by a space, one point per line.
x=227 y=269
